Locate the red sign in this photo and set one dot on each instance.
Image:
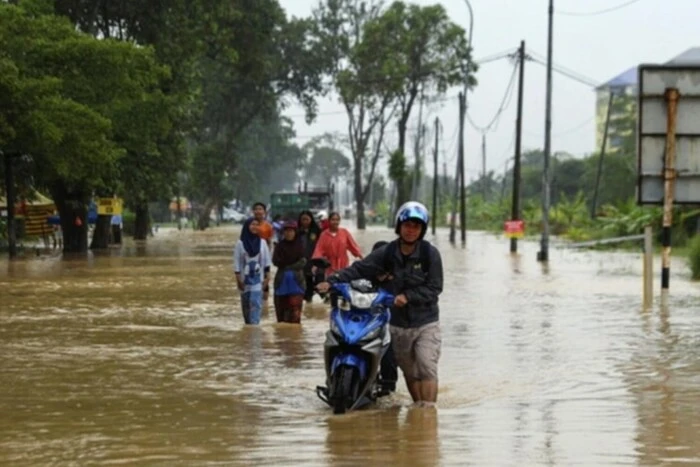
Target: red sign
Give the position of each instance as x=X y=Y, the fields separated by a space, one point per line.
x=514 y=229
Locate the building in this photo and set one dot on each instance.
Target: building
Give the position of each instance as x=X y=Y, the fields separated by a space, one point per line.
x=625 y=84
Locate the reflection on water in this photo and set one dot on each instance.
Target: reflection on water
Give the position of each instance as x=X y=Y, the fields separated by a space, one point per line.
x=392 y=436
x=139 y=355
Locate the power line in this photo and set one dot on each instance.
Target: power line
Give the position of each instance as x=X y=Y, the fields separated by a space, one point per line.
x=567 y=131
x=505 y=102
x=542 y=60
x=597 y=12
x=344 y=112
x=452 y=146
x=482 y=61
x=492 y=58
x=583 y=80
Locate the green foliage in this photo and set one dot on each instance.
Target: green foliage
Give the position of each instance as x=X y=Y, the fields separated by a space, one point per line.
x=326 y=164
x=694 y=257
x=69 y=139
x=267 y=161
x=381 y=209
x=569 y=213
x=420 y=52
x=128 y=222
x=625 y=218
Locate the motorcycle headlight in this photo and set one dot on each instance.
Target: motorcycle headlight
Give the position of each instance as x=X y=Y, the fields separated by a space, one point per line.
x=361 y=300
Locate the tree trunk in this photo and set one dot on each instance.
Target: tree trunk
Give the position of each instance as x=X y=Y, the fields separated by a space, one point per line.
x=142 y=222
x=72 y=208
x=359 y=195
x=203 y=220
x=401 y=189
x=100 y=236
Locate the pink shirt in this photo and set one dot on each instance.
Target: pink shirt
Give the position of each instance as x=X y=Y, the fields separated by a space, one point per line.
x=335 y=247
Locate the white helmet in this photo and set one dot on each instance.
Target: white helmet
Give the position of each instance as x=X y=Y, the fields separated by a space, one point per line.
x=414 y=211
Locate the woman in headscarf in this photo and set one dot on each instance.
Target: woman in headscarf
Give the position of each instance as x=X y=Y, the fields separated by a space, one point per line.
x=308 y=233
x=289 y=281
x=251 y=264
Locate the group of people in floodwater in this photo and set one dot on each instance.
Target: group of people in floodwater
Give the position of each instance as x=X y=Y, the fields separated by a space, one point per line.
x=289 y=245
x=409 y=267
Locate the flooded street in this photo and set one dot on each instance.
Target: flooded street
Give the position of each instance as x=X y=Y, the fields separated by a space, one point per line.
x=139 y=356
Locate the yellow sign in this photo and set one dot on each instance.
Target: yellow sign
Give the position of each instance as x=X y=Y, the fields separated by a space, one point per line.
x=109 y=206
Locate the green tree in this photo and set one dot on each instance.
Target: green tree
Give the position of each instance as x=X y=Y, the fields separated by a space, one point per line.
x=326 y=165
x=254 y=61
x=361 y=75
x=69 y=140
x=428 y=54
x=269 y=160
x=231 y=63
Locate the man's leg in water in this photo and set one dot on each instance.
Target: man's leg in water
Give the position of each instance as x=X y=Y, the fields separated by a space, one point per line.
x=402 y=342
x=427 y=351
x=428 y=390
x=414 y=388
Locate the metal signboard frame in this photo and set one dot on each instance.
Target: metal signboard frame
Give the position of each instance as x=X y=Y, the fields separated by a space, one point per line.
x=652 y=128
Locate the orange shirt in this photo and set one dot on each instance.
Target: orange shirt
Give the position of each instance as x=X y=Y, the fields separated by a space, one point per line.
x=335 y=248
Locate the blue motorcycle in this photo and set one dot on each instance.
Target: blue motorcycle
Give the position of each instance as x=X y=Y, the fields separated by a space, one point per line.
x=355 y=344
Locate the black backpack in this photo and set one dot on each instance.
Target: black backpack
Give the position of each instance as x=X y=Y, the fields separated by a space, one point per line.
x=390 y=251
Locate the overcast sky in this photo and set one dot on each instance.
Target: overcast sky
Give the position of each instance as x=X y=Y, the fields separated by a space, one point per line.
x=596 y=46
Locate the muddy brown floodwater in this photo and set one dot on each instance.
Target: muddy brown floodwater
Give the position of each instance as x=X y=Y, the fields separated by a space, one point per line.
x=139 y=356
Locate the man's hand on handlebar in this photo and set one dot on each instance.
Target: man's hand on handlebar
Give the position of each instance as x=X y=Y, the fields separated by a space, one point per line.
x=323 y=287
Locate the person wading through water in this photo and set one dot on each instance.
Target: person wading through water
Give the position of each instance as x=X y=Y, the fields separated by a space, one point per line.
x=266 y=232
x=289 y=259
x=416 y=267
x=251 y=264
x=308 y=233
x=334 y=245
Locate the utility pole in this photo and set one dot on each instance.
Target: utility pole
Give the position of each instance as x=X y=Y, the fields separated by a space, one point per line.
x=462 y=192
x=458 y=174
x=435 y=174
x=515 y=207
x=444 y=177
x=543 y=254
x=417 y=150
x=483 y=167
x=594 y=206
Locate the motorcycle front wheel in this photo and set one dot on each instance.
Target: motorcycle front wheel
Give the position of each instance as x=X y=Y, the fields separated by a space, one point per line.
x=345 y=387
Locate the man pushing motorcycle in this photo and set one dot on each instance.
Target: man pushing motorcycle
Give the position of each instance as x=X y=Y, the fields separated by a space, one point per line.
x=415 y=267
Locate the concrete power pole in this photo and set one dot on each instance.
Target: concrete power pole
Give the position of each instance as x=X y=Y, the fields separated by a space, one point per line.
x=543 y=254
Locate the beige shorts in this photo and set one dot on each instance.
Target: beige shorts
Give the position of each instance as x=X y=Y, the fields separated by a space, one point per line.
x=417 y=350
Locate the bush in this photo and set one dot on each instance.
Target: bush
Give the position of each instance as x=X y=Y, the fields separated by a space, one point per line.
x=694 y=257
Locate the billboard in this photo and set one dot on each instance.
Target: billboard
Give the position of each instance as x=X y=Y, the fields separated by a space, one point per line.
x=652 y=128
